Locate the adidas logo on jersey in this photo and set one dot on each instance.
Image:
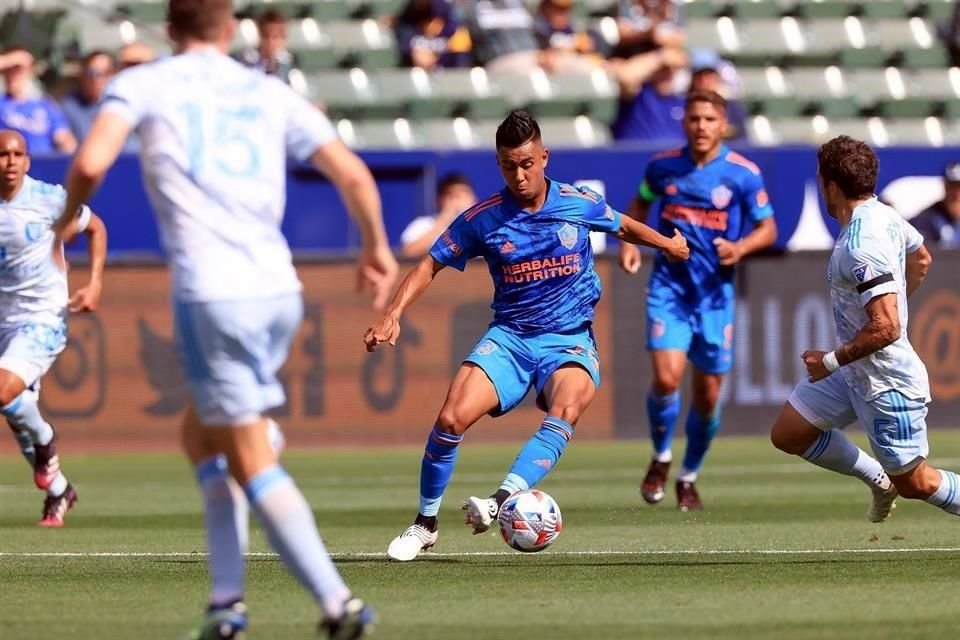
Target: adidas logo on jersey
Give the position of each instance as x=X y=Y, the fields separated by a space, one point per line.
x=508 y=247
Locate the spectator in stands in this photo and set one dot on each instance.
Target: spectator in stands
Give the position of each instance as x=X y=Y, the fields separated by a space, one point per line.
x=430 y=37
x=502 y=34
x=271 y=55
x=653 y=86
x=454 y=196
x=712 y=73
x=647 y=25
x=80 y=107
x=565 y=49
x=36 y=117
x=950 y=34
x=130 y=55
x=940 y=224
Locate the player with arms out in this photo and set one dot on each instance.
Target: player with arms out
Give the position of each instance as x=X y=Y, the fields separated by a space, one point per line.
x=534 y=236
x=710 y=194
x=34 y=302
x=215 y=137
x=874 y=375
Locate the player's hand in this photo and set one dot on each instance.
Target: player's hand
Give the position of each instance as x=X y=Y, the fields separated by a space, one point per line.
x=677 y=250
x=86 y=299
x=630 y=258
x=377 y=269
x=387 y=329
x=728 y=252
x=814 y=363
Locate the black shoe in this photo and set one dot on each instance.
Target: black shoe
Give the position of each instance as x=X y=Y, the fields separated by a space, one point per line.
x=652 y=488
x=687 y=497
x=356 y=622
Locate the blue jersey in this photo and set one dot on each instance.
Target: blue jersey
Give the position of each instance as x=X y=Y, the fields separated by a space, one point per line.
x=541 y=263
x=704 y=203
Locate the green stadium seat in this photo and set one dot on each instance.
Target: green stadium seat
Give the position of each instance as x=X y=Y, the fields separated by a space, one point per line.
x=145 y=11
x=351 y=94
x=705 y=34
x=827 y=8
x=327 y=10
x=911 y=107
x=870 y=86
x=888 y=8
x=935 y=57
x=384 y=134
x=380 y=8
x=896 y=35
x=939 y=10
x=413 y=90
x=778 y=106
x=867 y=57
x=932 y=84
x=751 y=10
x=457 y=133
x=365 y=43
x=916 y=132
x=580 y=131
x=475 y=96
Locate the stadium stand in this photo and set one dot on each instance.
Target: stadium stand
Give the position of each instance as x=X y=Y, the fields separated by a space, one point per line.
x=806 y=68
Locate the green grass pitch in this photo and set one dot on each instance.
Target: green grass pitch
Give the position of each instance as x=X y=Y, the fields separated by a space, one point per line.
x=782 y=552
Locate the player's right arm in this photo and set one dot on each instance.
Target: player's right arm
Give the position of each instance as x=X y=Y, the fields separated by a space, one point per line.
x=387 y=328
x=917 y=260
x=630 y=259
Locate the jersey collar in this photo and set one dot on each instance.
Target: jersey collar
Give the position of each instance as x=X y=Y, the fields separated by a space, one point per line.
x=724 y=150
x=22 y=195
x=552 y=190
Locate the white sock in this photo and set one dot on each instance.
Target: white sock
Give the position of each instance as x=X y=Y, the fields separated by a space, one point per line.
x=226 y=518
x=834 y=451
x=666 y=456
x=947 y=496
x=58 y=485
x=687 y=476
x=289 y=524
x=24 y=414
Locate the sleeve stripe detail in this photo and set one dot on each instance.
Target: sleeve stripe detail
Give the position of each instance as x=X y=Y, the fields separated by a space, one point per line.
x=735 y=158
x=870 y=284
x=492 y=201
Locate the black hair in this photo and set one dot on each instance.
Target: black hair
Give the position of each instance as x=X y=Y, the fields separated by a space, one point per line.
x=452 y=179
x=850 y=164
x=517 y=129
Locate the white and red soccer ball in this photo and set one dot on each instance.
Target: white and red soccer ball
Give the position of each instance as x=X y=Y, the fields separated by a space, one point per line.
x=530 y=521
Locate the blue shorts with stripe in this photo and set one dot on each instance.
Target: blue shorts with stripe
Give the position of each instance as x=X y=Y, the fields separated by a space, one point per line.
x=895 y=424
x=514 y=363
x=231 y=352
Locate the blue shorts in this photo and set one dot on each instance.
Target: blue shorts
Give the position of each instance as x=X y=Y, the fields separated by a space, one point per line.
x=896 y=425
x=231 y=352
x=515 y=363
x=706 y=336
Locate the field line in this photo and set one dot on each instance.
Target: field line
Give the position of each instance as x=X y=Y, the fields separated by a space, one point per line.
x=483 y=554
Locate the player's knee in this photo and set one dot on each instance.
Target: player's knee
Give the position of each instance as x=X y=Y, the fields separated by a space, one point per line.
x=569 y=412
x=785 y=440
x=7 y=396
x=452 y=421
x=666 y=382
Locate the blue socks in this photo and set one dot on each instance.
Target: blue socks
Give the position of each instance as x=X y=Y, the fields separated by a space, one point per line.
x=663 y=412
x=439 y=459
x=947 y=496
x=701 y=430
x=226 y=518
x=539 y=455
x=287 y=520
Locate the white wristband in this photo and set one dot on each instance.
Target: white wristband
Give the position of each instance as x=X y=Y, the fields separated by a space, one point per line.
x=830 y=361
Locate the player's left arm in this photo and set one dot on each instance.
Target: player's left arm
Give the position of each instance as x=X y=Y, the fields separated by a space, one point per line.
x=94 y=158
x=755 y=205
x=87 y=298
x=918 y=259
x=636 y=232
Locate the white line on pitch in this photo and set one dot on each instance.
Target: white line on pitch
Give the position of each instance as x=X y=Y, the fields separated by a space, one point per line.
x=474 y=554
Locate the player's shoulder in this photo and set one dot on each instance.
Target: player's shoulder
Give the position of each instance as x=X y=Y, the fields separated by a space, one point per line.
x=666 y=159
x=740 y=164
x=578 y=194
x=480 y=212
x=38 y=190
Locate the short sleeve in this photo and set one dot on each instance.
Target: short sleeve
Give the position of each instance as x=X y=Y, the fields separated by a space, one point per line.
x=597 y=214
x=754 y=199
x=912 y=238
x=307 y=128
x=457 y=244
x=125 y=97
x=869 y=267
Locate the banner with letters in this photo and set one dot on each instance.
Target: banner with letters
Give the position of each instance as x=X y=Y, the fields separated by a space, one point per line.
x=118 y=385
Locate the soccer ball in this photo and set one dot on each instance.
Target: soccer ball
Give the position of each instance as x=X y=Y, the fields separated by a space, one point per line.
x=530 y=521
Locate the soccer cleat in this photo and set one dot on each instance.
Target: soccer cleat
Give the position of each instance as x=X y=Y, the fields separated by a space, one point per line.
x=46 y=463
x=56 y=507
x=883 y=503
x=408 y=545
x=652 y=487
x=356 y=622
x=687 y=497
x=480 y=513
x=227 y=623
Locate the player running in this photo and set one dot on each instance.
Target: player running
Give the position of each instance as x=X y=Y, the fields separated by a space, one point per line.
x=710 y=194
x=873 y=375
x=34 y=302
x=215 y=138
x=534 y=236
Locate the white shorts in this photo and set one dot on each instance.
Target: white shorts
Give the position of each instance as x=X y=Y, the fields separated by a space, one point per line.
x=895 y=425
x=29 y=350
x=231 y=352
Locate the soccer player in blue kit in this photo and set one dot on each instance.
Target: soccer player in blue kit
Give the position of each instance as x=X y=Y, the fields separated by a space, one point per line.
x=534 y=236
x=708 y=193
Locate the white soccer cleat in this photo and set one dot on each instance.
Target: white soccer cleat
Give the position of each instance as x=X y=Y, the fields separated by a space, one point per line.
x=884 y=501
x=408 y=545
x=480 y=513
